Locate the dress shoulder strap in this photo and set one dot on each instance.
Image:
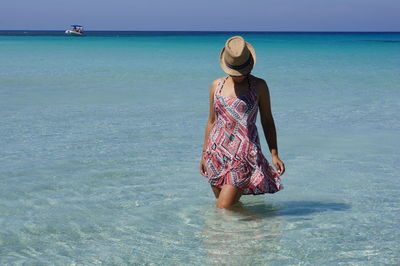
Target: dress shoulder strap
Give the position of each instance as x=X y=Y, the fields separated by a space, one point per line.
x=251 y=82
x=220 y=84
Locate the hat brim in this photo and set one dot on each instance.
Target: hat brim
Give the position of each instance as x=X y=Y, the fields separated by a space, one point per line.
x=238 y=72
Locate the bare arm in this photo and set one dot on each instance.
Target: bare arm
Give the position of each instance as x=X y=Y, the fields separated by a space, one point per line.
x=268 y=124
x=211 y=117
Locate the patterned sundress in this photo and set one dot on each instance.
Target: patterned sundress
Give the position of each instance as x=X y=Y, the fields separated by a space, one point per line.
x=233 y=153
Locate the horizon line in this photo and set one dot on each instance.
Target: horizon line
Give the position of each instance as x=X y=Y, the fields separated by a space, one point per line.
x=221 y=31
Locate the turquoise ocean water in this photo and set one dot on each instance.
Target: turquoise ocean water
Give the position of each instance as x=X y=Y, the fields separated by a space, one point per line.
x=101 y=137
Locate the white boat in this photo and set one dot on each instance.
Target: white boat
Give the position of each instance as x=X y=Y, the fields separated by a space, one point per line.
x=76 y=30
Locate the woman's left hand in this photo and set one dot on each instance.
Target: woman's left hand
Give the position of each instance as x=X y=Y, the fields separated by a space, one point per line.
x=279 y=165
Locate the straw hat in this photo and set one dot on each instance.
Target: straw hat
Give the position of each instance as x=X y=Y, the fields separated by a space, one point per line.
x=238 y=57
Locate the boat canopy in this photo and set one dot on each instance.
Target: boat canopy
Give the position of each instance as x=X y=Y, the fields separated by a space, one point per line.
x=77 y=26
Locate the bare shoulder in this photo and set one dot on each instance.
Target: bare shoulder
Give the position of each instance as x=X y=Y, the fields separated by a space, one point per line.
x=214 y=84
x=216 y=81
x=261 y=87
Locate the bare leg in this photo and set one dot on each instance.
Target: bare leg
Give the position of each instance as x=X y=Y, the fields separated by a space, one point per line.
x=228 y=196
x=238 y=195
x=216 y=191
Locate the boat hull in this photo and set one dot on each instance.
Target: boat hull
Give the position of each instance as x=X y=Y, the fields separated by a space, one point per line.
x=73 y=33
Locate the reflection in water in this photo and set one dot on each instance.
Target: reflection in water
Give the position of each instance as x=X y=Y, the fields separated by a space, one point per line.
x=240 y=236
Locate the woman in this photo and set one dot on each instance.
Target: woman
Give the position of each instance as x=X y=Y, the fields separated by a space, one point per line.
x=232 y=159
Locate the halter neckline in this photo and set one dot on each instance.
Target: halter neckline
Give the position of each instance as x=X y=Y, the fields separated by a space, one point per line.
x=236 y=97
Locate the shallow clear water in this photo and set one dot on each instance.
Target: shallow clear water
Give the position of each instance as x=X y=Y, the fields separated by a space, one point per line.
x=101 y=140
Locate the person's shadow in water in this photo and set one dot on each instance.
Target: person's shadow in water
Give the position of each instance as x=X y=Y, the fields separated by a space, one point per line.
x=288 y=208
x=250 y=230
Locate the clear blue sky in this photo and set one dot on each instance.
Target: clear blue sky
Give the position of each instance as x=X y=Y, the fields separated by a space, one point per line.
x=245 y=15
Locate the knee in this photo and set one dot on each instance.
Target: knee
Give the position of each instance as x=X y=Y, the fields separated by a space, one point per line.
x=222 y=204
